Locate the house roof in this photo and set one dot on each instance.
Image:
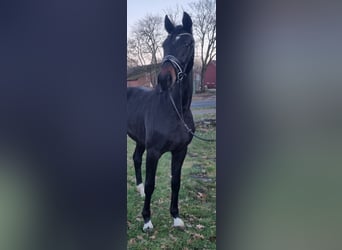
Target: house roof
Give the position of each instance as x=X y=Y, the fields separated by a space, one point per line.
x=136 y=72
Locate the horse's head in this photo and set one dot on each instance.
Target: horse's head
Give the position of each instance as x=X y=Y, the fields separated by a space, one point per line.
x=178 y=52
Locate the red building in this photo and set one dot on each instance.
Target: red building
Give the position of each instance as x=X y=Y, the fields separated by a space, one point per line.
x=210 y=75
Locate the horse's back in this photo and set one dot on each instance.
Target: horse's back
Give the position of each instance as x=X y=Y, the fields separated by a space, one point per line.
x=137 y=92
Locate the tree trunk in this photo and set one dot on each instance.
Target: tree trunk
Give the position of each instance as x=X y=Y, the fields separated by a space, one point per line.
x=202 y=88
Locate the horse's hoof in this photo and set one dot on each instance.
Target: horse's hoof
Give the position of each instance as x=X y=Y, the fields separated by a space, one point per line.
x=141 y=189
x=178 y=223
x=148 y=227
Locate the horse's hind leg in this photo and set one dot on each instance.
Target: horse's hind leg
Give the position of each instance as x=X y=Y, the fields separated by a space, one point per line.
x=137 y=158
x=152 y=159
x=176 y=168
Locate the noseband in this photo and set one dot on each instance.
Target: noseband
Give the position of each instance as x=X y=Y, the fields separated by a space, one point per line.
x=176 y=65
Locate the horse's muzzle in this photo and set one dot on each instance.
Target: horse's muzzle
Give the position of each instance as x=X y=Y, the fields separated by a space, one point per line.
x=167 y=76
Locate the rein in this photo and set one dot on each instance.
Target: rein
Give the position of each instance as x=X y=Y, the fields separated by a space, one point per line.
x=184 y=123
x=180 y=116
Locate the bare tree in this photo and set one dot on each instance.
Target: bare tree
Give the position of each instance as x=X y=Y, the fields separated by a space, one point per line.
x=135 y=52
x=145 y=41
x=174 y=14
x=149 y=30
x=203 y=14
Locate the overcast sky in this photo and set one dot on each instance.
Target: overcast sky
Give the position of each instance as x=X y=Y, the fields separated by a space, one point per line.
x=137 y=9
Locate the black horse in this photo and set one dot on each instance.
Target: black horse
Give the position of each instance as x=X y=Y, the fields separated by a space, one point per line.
x=160 y=120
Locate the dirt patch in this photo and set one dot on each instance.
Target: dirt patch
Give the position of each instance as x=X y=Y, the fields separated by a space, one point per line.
x=206 y=123
x=200 y=173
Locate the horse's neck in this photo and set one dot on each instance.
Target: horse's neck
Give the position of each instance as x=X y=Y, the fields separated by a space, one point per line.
x=182 y=93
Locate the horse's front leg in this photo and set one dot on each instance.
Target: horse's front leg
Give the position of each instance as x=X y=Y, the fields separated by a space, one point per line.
x=176 y=168
x=152 y=158
x=137 y=158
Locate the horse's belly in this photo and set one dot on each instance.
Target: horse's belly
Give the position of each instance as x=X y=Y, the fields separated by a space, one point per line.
x=168 y=141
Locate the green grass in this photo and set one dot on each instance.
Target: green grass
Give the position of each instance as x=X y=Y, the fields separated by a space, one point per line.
x=197 y=200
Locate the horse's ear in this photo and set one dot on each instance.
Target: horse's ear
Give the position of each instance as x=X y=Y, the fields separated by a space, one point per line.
x=168 y=25
x=187 y=22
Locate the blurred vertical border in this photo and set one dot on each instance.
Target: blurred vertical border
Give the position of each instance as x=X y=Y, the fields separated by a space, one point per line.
x=63 y=126
x=279 y=125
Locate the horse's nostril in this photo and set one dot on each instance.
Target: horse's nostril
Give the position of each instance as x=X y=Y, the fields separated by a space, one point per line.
x=169 y=78
x=164 y=76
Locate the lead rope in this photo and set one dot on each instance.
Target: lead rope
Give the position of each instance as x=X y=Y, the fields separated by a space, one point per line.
x=180 y=76
x=185 y=125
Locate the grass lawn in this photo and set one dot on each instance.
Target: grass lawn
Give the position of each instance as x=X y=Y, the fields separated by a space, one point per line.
x=197 y=199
